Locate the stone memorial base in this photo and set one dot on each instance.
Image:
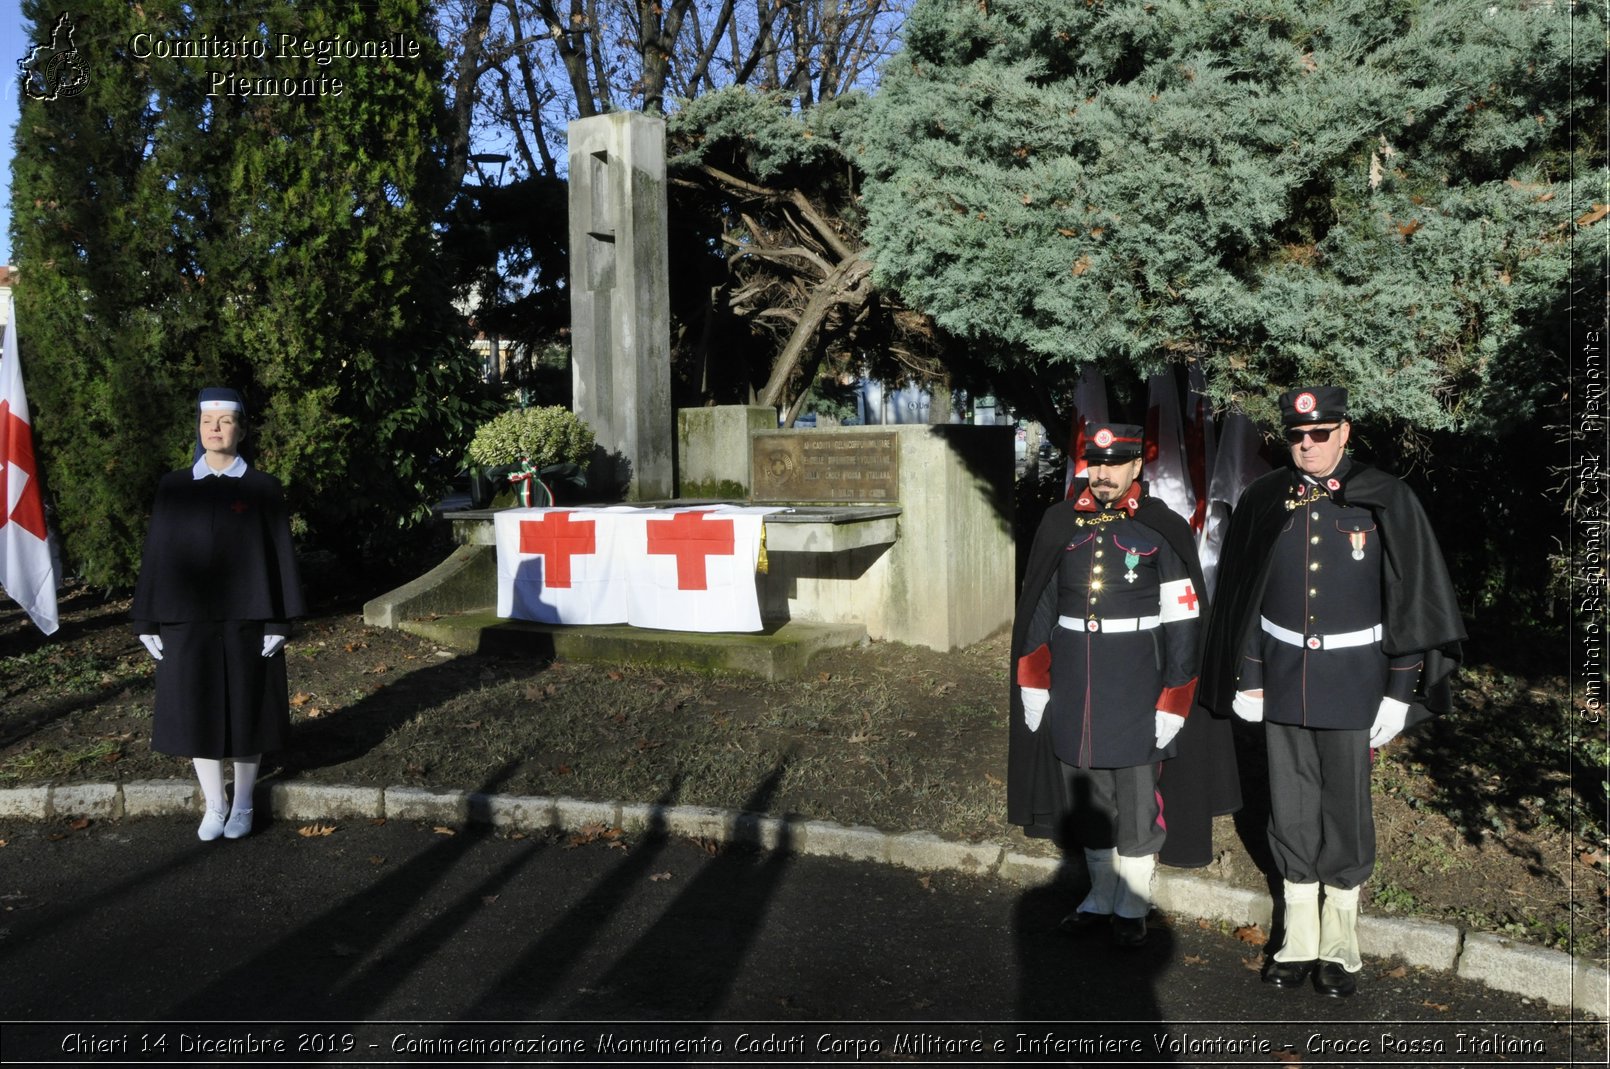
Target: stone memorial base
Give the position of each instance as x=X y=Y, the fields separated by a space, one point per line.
x=782 y=651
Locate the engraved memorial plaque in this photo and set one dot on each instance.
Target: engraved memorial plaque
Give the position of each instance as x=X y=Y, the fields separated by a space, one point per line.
x=804 y=467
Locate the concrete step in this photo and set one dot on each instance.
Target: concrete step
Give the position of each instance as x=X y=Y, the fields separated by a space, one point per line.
x=782 y=651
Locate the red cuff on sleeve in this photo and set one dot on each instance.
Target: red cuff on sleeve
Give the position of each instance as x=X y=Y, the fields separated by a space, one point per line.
x=1177 y=700
x=1034 y=669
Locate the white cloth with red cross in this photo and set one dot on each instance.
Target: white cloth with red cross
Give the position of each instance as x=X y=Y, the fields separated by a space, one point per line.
x=677 y=569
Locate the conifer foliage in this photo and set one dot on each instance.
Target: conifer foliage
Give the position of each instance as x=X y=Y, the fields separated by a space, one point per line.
x=1373 y=194
x=174 y=231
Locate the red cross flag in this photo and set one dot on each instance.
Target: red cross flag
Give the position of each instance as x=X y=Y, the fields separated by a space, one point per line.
x=694 y=569
x=27 y=571
x=561 y=566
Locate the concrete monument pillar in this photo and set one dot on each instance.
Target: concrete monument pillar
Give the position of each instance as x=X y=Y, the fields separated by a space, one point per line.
x=620 y=321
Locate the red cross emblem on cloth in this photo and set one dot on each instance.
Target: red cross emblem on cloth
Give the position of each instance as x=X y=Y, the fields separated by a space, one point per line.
x=1188 y=599
x=17 y=449
x=690 y=537
x=558 y=539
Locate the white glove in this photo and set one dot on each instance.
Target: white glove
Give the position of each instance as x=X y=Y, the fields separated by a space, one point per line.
x=1034 y=702
x=1248 y=706
x=153 y=645
x=272 y=644
x=1168 y=725
x=1388 y=722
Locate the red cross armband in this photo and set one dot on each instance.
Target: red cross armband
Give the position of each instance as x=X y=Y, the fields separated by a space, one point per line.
x=1034 y=669
x=1177 y=700
x=1177 y=600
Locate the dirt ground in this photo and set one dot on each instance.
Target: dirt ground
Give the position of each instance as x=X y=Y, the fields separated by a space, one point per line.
x=1484 y=820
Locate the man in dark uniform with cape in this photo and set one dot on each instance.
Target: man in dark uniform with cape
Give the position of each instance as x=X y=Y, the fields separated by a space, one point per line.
x=1104 y=660
x=1335 y=625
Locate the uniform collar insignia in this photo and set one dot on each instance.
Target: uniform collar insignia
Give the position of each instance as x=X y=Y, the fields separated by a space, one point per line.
x=1086 y=501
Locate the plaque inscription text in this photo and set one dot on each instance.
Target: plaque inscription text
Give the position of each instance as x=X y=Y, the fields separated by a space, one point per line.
x=823 y=466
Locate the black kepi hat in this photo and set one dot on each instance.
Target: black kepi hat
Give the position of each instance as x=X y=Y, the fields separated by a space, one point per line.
x=1113 y=443
x=1313 y=404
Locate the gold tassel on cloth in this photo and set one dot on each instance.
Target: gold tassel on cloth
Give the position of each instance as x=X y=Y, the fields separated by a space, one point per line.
x=760 y=564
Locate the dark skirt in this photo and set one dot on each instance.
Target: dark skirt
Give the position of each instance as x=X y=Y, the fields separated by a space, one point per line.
x=217 y=695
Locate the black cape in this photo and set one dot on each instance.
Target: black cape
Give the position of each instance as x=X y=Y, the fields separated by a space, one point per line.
x=217 y=549
x=1199 y=782
x=1419 y=606
x=217 y=574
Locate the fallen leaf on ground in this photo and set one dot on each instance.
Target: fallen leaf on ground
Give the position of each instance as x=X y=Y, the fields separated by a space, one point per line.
x=80 y=824
x=563 y=770
x=311 y=831
x=1440 y=1007
x=1194 y=959
x=376 y=859
x=314 y=712
x=443 y=829
x=614 y=677
x=377 y=822
x=993 y=779
x=1399 y=973
x=301 y=697
x=658 y=876
x=1255 y=963
x=1252 y=935
x=927 y=882
x=356 y=645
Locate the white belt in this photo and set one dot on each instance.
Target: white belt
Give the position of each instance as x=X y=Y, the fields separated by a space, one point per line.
x=1322 y=642
x=1131 y=623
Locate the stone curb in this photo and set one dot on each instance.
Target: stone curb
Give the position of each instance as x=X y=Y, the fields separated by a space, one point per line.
x=1552 y=976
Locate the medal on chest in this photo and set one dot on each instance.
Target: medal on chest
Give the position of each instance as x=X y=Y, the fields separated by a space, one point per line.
x=1357 y=538
x=1130 y=560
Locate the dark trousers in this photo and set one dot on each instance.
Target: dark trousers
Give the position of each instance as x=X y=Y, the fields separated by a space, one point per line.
x=1321 y=827
x=1114 y=807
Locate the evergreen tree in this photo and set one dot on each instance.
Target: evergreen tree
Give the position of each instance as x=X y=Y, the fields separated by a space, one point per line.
x=260 y=220
x=1372 y=194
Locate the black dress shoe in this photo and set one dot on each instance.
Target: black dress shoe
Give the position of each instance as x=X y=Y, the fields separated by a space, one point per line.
x=1334 y=981
x=1128 y=931
x=1080 y=921
x=1287 y=973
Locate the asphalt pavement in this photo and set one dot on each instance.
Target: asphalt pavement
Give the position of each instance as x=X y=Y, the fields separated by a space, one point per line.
x=399 y=942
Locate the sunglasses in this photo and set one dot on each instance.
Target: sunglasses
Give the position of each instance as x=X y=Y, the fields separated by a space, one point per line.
x=1320 y=435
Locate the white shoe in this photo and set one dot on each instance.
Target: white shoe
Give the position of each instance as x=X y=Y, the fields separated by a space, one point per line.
x=240 y=824
x=212 y=825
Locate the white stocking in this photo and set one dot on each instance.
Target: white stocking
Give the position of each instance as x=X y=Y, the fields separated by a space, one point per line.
x=211 y=774
x=245 y=781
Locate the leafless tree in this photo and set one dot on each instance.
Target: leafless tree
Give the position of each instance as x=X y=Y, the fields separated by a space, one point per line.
x=522 y=69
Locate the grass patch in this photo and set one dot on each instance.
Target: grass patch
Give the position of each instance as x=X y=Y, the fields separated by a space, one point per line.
x=51 y=762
